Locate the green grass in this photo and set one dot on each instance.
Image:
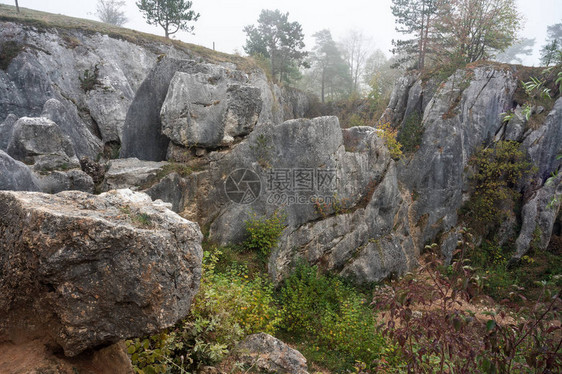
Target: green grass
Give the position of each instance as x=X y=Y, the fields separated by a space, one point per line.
x=65 y=24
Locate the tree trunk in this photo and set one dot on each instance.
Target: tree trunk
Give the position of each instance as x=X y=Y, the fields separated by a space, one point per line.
x=323 y=82
x=17 y=6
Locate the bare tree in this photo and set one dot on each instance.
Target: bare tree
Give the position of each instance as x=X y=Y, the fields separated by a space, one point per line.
x=109 y=11
x=17 y=6
x=356 y=49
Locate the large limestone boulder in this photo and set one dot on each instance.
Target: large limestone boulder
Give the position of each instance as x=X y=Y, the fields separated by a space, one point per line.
x=15 y=175
x=268 y=354
x=85 y=270
x=40 y=141
x=208 y=110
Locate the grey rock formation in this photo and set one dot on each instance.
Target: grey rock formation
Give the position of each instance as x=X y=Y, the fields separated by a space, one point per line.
x=142 y=133
x=57 y=181
x=545 y=143
x=343 y=204
x=538 y=217
x=209 y=110
x=194 y=109
x=170 y=189
x=265 y=353
x=87 y=270
x=67 y=118
x=15 y=175
x=6 y=129
x=40 y=141
x=463 y=115
x=51 y=63
x=131 y=173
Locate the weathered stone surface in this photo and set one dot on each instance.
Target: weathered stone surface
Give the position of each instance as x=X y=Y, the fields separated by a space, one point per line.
x=131 y=173
x=545 y=143
x=142 y=136
x=41 y=142
x=349 y=216
x=49 y=67
x=6 y=129
x=66 y=117
x=242 y=112
x=57 y=181
x=194 y=109
x=463 y=114
x=269 y=354
x=87 y=270
x=169 y=189
x=208 y=110
x=15 y=175
x=538 y=217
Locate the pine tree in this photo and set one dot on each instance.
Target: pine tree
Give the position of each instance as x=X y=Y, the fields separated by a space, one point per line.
x=277 y=39
x=171 y=15
x=415 y=18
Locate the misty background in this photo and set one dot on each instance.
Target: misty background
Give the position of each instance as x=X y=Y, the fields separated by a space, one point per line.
x=222 y=21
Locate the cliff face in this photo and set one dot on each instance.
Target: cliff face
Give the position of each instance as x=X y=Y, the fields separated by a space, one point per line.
x=463 y=114
x=228 y=148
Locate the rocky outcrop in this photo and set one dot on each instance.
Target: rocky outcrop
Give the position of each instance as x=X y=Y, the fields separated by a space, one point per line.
x=195 y=104
x=93 y=75
x=264 y=353
x=339 y=191
x=15 y=175
x=66 y=117
x=463 y=115
x=131 y=173
x=40 y=142
x=209 y=110
x=85 y=271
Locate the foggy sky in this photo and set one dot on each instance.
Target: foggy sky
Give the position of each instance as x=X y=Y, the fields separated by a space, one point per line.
x=222 y=21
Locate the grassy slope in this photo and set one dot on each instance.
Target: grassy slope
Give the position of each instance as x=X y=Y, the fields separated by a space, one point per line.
x=43 y=20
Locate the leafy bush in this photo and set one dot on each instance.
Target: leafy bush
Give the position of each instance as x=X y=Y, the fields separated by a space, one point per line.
x=388 y=134
x=263 y=233
x=329 y=315
x=411 y=134
x=228 y=307
x=430 y=321
x=90 y=78
x=498 y=170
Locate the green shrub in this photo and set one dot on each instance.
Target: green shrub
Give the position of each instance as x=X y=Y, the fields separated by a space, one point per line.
x=388 y=134
x=90 y=78
x=329 y=315
x=412 y=132
x=228 y=306
x=498 y=170
x=263 y=233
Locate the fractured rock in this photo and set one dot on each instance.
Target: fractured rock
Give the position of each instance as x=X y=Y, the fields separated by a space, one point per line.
x=86 y=270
